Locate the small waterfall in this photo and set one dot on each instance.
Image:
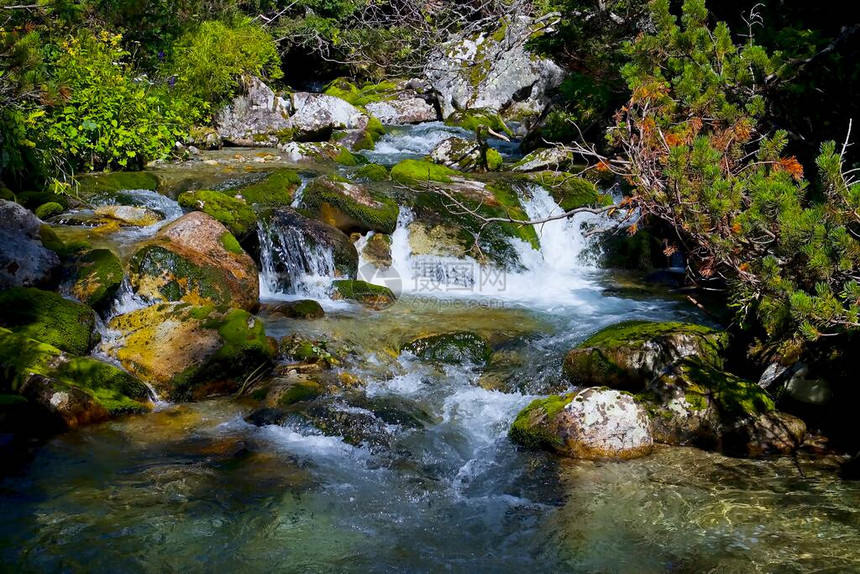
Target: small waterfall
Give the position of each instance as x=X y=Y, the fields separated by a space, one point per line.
x=292 y=263
x=126 y=301
x=300 y=193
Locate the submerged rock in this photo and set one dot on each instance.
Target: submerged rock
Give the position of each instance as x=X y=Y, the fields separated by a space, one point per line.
x=451 y=348
x=189 y=352
x=628 y=355
x=303 y=309
x=128 y=215
x=62 y=390
x=50 y=318
x=24 y=260
x=350 y=207
x=592 y=423
x=495 y=71
x=236 y=215
x=197 y=260
x=96 y=277
x=692 y=403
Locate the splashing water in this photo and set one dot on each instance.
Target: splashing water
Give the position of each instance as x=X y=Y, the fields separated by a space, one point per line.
x=293 y=265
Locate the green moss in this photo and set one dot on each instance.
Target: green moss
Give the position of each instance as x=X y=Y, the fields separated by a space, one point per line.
x=34 y=199
x=640 y=332
x=472 y=119
x=230 y=243
x=98 y=275
x=49 y=209
x=183 y=276
x=310 y=351
x=451 y=348
x=109 y=182
x=276 y=190
x=376 y=296
x=494 y=160
x=64 y=249
x=369 y=93
x=511 y=207
x=346 y=157
x=350 y=208
x=49 y=318
x=235 y=215
x=372 y=172
x=301 y=391
x=734 y=396
x=533 y=427
x=568 y=190
x=411 y=171
x=112 y=388
x=303 y=309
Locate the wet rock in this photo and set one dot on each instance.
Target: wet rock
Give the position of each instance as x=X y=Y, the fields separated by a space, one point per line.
x=451 y=348
x=96 y=277
x=128 y=215
x=266 y=416
x=110 y=183
x=186 y=351
x=392 y=102
x=378 y=251
x=297 y=241
x=50 y=318
x=546 y=159
x=307 y=351
x=24 y=260
x=319 y=151
x=628 y=355
x=692 y=403
x=350 y=207
x=475 y=118
x=258 y=117
x=67 y=391
x=236 y=215
x=276 y=189
x=204 y=137
x=593 y=423
x=458 y=153
x=355 y=426
x=568 y=190
x=48 y=210
x=495 y=71
x=404 y=110
x=197 y=260
x=372 y=172
x=369 y=295
x=303 y=309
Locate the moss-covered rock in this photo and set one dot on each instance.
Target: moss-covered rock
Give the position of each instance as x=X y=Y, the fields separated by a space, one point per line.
x=451 y=348
x=458 y=153
x=97 y=276
x=373 y=296
x=372 y=172
x=368 y=93
x=494 y=160
x=126 y=215
x=302 y=309
x=412 y=171
x=277 y=189
x=593 y=423
x=553 y=159
x=350 y=207
x=236 y=215
x=188 y=351
x=692 y=403
x=628 y=355
x=296 y=348
x=49 y=209
x=204 y=137
x=377 y=250
x=301 y=391
x=110 y=182
x=568 y=190
x=66 y=390
x=50 y=318
x=474 y=118
x=195 y=259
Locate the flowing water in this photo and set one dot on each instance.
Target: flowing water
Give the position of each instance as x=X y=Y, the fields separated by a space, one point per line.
x=433 y=484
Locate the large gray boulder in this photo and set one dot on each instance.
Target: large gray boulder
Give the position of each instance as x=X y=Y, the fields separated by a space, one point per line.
x=408 y=108
x=495 y=71
x=24 y=261
x=457 y=153
x=256 y=117
x=316 y=116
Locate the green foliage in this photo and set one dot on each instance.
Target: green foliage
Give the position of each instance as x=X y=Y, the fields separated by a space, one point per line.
x=744 y=210
x=210 y=60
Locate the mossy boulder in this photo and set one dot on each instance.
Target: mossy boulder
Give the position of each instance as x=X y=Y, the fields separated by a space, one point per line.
x=551 y=159
x=458 y=153
x=377 y=250
x=368 y=294
x=48 y=210
x=62 y=390
x=277 y=189
x=302 y=309
x=568 y=190
x=693 y=403
x=593 y=423
x=350 y=207
x=97 y=277
x=451 y=348
x=413 y=171
x=474 y=118
x=300 y=391
x=628 y=355
x=24 y=259
x=188 y=351
x=197 y=260
x=111 y=182
x=236 y=215
x=204 y=137
x=50 y=318
x=368 y=93
x=372 y=172
x=298 y=349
